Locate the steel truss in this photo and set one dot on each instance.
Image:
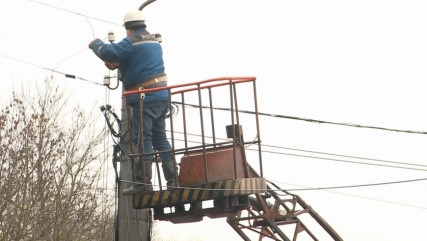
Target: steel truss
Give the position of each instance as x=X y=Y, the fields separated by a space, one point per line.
x=271 y=217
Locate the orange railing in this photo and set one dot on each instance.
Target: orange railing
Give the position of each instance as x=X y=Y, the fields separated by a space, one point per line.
x=235 y=137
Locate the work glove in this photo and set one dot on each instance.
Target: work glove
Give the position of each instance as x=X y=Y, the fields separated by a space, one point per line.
x=91 y=43
x=111 y=65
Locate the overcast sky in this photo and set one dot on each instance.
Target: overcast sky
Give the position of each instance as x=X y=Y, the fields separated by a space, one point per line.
x=358 y=62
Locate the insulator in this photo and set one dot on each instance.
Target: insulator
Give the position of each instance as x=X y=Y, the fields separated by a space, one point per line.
x=106 y=80
x=158 y=37
x=111 y=37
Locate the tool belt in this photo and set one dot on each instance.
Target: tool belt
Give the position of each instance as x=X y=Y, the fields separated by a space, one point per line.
x=152 y=83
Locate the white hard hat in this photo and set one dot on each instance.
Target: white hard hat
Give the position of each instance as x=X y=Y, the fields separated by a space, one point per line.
x=133 y=15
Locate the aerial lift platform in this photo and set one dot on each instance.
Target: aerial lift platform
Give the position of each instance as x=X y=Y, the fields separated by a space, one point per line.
x=216 y=178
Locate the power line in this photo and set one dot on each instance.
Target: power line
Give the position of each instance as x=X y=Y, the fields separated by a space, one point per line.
x=68 y=57
x=296 y=189
x=332 y=159
x=325 y=153
x=347 y=156
x=310 y=120
x=363 y=197
x=340 y=160
x=55 y=71
x=325 y=189
x=357 y=185
x=80 y=14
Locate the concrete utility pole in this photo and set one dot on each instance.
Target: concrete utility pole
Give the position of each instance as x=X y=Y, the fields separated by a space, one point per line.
x=134 y=224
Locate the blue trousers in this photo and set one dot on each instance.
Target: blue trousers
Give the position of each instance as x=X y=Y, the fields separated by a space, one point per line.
x=154 y=129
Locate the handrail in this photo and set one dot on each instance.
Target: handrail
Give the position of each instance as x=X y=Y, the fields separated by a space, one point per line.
x=232 y=79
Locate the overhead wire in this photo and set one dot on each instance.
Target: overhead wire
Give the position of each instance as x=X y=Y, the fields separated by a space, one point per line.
x=73 y=12
x=322 y=153
x=357 y=185
x=68 y=57
x=347 y=156
x=91 y=27
x=346 y=186
x=295 y=189
x=309 y=120
x=358 y=196
x=78 y=52
x=346 y=161
x=85 y=48
x=90 y=24
x=331 y=159
x=323 y=189
x=49 y=69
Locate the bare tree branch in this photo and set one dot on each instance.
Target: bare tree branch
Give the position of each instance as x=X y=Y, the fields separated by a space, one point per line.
x=49 y=170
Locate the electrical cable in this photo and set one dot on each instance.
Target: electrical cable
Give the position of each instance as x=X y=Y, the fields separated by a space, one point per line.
x=351 y=186
x=310 y=120
x=118 y=147
x=358 y=185
x=339 y=160
x=358 y=196
x=347 y=156
x=317 y=152
x=80 y=14
x=332 y=159
x=76 y=53
x=91 y=27
x=296 y=189
x=107 y=110
x=49 y=69
x=85 y=48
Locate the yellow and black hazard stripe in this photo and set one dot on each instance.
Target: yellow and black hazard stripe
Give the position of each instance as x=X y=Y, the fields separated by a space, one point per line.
x=224 y=188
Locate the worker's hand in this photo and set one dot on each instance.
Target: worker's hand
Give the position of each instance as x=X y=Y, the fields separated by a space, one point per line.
x=111 y=65
x=90 y=44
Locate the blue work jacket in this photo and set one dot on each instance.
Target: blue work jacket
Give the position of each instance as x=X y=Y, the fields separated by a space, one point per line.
x=140 y=58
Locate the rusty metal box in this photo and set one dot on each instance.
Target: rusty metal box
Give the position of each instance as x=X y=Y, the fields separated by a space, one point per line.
x=220 y=166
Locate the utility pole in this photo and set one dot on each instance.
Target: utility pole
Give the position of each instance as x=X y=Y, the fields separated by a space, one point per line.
x=134 y=224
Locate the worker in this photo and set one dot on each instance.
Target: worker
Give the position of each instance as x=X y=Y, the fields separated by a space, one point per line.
x=139 y=58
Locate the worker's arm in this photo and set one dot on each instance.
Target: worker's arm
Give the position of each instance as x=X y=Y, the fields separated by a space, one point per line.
x=112 y=52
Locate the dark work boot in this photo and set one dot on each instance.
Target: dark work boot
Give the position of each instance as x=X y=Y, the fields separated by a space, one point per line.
x=140 y=187
x=169 y=173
